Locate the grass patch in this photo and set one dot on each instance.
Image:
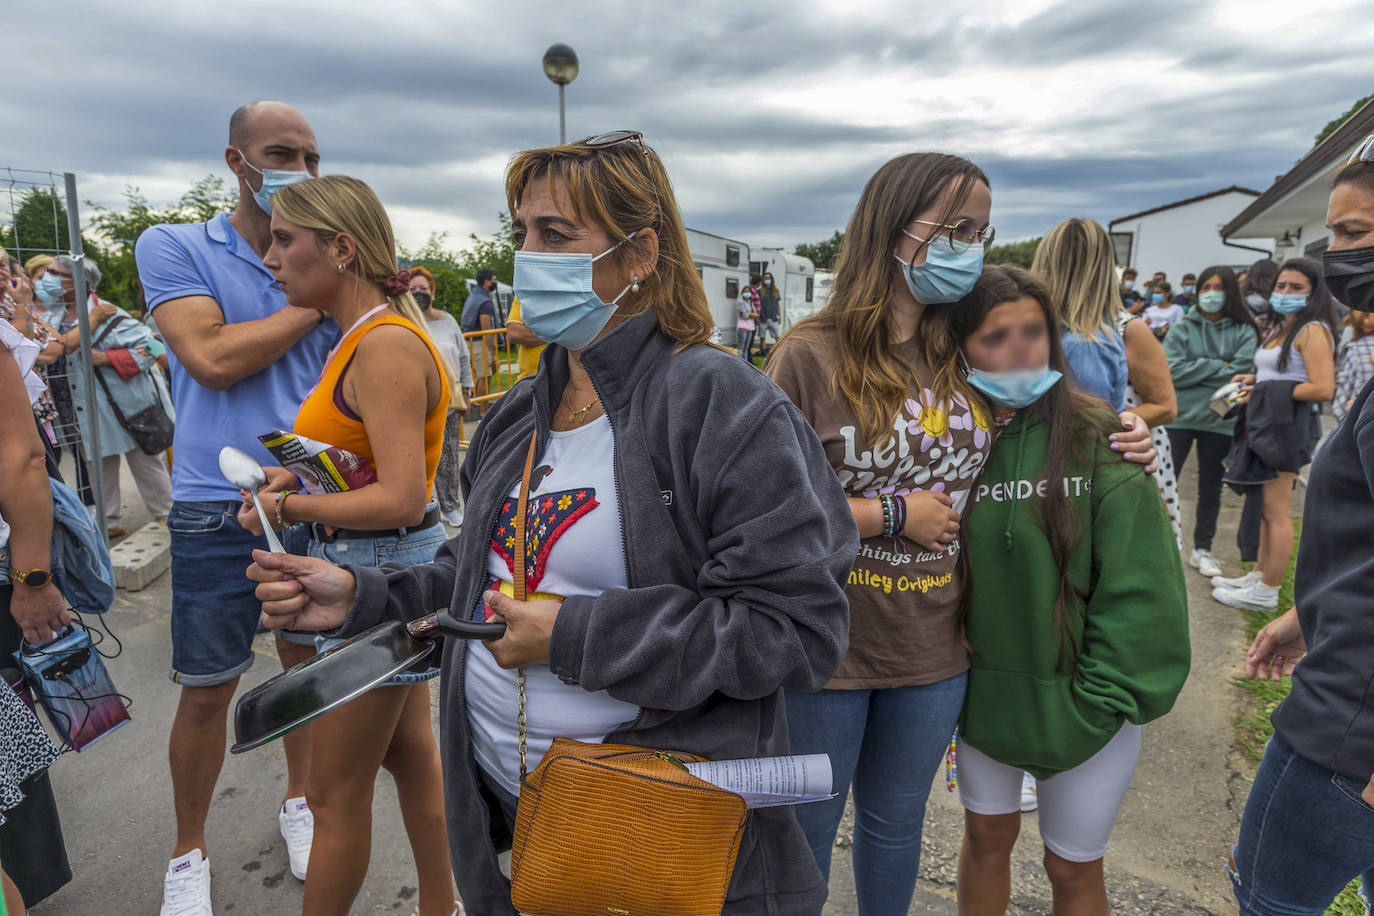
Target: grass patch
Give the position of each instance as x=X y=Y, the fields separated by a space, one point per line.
x=1253 y=727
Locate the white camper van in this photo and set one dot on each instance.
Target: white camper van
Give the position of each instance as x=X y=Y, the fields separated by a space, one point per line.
x=825 y=281
x=723 y=265
x=795 y=277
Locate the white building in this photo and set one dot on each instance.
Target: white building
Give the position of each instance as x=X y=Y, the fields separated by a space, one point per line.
x=1184 y=236
x=1291 y=215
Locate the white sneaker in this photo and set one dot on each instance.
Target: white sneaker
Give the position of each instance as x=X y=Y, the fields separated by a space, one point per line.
x=298 y=830
x=1030 y=799
x=1250 y=578
x=1205 y=563
x=1254 y=597
x=186 y=887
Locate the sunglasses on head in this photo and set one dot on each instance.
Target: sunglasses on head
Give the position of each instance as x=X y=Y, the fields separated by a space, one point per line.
x=1364 y=152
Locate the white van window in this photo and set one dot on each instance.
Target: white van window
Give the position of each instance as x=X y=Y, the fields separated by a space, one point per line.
x=732 y=289
x=732 y=256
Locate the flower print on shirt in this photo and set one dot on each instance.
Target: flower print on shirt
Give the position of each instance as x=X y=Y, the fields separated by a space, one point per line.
x=968 y=415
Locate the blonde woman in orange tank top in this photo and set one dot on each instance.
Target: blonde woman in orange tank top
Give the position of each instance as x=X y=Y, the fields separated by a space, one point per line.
x=384 y=395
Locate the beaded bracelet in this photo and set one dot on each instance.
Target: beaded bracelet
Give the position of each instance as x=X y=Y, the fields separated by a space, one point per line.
x=899 y=520
x=890 y=524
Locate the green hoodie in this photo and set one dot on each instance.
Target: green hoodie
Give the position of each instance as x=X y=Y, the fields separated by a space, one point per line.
x=1203 y=356
x=1021 y=708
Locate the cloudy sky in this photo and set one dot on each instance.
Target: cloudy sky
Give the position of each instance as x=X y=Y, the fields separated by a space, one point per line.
x=769 y=114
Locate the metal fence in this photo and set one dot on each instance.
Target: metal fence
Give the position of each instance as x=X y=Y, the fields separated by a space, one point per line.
x=495 y=368
x=25 y=195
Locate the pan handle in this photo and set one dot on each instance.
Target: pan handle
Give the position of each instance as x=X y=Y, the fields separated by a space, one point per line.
x=442 y=623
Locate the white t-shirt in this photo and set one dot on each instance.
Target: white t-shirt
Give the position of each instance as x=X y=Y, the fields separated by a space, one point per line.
x=1159 y=316
x=25 y=353
x=575 y=547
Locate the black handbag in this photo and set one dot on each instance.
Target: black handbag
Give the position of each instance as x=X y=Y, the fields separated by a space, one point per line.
x=151 y=428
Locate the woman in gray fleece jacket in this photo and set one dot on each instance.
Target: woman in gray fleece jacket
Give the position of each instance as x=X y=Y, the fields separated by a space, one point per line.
x=674 y=591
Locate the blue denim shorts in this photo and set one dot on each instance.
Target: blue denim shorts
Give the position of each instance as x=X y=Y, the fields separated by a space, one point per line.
x=411 y=549
x=214 y=611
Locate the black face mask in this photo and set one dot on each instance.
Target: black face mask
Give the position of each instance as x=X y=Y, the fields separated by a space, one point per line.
x=1350 y=276
x=424 y=299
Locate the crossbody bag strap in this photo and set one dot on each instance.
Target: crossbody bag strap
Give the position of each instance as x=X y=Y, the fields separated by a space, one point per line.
x=521 y=516
x=100 y=376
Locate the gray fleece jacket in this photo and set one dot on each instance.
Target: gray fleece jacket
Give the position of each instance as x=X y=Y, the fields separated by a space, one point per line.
x=736 y=586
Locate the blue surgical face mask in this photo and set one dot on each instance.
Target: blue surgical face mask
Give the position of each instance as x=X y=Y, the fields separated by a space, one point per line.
x=557 y=302
x=49 y=288
x=1157 y=298
x=1211 y=301
x=1017 y=388
x=947 y=275
x=1288 y=303
x=273 y=180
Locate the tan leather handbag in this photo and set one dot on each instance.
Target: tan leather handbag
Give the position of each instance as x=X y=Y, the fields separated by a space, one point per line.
x=612 y=830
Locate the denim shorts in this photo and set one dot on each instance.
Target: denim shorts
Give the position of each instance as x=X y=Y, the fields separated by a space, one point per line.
x=214 y=611
x=411 y=549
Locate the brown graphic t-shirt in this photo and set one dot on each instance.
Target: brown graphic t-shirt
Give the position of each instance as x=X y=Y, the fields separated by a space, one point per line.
x=903 y=598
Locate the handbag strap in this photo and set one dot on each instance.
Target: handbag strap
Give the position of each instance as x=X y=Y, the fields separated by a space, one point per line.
x=521 y=516
x=100 y=377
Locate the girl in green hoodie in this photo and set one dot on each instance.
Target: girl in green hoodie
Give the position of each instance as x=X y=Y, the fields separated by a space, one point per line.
x=1077 y=615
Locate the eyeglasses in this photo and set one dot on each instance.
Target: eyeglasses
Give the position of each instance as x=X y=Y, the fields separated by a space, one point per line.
x=1364 y=153
x=964 y=234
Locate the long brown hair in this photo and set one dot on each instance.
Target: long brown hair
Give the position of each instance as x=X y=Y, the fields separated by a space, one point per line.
x=873 y=380
x=1065 y=410
x=623 y=189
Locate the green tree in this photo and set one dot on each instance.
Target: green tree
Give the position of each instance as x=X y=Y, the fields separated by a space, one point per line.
x=823 y=254
x=40 y=227
x=1020 y=253
x=452 y=269
x=1331 y=126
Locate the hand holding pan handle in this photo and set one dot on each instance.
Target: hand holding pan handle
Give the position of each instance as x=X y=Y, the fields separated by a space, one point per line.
x=442 y=623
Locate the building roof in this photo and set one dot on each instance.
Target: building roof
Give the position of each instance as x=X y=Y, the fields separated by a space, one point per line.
x=1322 y=157
x=1184 y=203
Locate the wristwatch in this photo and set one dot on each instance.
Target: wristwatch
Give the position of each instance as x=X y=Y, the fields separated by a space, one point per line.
x=33 y=578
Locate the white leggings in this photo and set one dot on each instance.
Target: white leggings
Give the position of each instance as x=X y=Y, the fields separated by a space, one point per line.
x=1077 y=807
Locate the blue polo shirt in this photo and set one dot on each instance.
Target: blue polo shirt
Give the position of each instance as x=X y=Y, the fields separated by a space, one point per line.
x=212 y=259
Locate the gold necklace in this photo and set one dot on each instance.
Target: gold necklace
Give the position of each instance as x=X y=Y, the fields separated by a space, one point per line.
x=575 y=416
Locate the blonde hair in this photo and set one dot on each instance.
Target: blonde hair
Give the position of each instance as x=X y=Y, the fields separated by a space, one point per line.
x=339 y=205
x=1076 y=262
x=624 y=188
x=36 y=263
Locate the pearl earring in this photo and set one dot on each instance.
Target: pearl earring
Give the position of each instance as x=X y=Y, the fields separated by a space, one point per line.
x=341 y=267
x=634 y=284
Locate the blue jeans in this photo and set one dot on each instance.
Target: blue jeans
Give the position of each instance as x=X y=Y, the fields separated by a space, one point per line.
x=1305 y=835
x=888 y=744
x=214 y=612
x=411 y=549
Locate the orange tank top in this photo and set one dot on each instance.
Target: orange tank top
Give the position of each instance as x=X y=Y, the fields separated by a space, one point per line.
x=326 y=417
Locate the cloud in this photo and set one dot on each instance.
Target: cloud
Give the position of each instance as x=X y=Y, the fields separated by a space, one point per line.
x=770 y=115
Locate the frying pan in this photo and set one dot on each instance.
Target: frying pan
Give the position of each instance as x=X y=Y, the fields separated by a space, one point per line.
x=345 y=672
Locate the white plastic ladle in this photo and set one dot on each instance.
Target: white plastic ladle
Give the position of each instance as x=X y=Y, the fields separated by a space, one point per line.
x=243 y=471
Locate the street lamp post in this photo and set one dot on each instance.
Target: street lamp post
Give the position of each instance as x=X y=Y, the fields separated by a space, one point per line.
x=560 y=66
